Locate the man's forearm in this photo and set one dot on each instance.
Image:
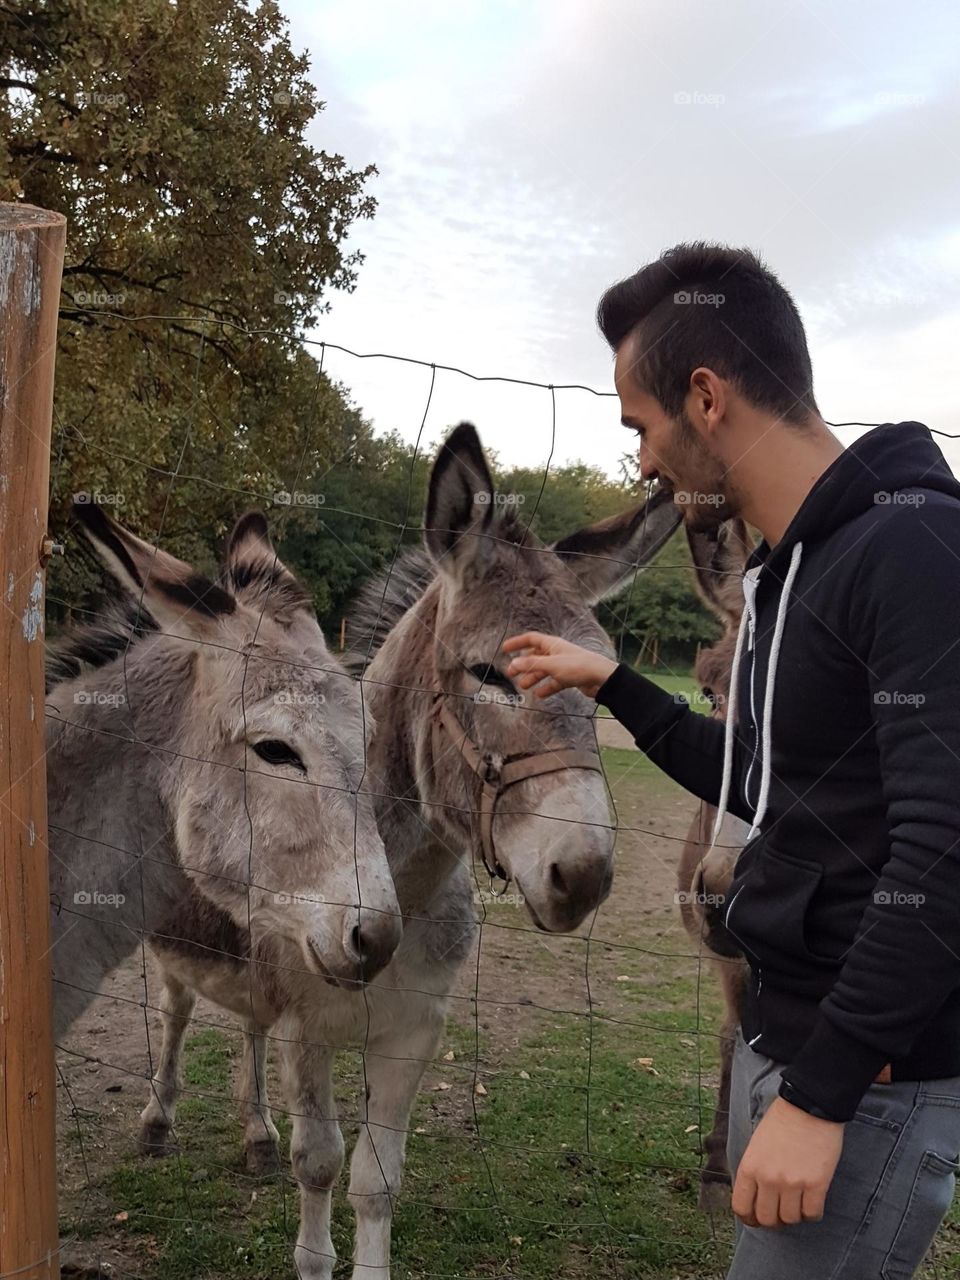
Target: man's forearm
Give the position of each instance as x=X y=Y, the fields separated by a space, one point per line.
x=687 y=746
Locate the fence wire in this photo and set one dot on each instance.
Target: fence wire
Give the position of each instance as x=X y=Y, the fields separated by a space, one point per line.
x=137 y=1211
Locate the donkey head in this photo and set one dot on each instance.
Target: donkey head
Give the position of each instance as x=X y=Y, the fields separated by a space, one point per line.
x=552 y=832
x=268 y=731
x=719 y=558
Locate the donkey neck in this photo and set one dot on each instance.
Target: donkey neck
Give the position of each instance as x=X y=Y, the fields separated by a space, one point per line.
x=112 y=765
x=402 y=681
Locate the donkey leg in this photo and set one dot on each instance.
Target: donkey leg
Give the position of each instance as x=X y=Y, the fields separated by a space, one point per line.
x=394 y=1066
x=316 y=1149
x=715 y=1182
x=158 y=1116
x=261 y=1141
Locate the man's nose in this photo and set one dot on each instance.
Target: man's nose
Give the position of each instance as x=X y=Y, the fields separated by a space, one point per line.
x=648 y=464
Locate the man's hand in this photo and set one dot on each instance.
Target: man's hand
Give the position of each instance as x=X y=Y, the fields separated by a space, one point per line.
x=553 y=664
x=787 y=1167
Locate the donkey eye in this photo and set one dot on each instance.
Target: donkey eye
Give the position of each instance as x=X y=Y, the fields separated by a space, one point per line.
x=710 y=696
x=272 y=751
x=488 y=674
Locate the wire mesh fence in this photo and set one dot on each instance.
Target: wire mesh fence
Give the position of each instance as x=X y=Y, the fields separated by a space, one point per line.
x=520 y=1099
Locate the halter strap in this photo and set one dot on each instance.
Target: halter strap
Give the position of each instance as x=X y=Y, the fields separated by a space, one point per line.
x=496 y=773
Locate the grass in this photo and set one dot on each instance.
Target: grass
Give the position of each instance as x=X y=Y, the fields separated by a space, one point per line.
x=585 y=1164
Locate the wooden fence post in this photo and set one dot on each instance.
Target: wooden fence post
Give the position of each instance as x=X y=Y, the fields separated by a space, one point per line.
x=31 y=261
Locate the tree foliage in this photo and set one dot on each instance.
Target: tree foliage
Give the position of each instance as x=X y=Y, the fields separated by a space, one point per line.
x=173 y=137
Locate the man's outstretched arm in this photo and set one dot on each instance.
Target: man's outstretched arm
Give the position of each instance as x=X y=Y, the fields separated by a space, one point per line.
x=687 y=746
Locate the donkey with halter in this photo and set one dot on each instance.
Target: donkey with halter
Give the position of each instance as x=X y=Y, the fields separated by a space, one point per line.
x=206 y=798
x=462 y=766
x=708 y=859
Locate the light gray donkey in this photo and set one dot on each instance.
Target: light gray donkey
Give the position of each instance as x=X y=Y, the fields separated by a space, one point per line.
x=206 y=796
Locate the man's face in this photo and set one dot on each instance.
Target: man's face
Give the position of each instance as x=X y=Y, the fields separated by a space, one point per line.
x=673 y=451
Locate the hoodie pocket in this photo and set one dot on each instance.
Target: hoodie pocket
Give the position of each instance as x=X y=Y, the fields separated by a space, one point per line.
x=769 y=915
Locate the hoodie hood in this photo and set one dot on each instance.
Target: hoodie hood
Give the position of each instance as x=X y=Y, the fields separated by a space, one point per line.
x=889 y=458
x=897 y=455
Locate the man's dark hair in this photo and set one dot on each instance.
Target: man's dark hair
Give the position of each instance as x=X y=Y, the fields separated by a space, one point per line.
x=711 y=305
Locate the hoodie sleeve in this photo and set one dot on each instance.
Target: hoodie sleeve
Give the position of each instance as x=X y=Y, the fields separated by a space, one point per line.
x=687 y=746
x=905 y=959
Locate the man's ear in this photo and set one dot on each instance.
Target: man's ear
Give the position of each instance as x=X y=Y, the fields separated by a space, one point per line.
x=181 y=600
x=258 y=577
x=603 y=556
x=460 y=502
x=719 y=559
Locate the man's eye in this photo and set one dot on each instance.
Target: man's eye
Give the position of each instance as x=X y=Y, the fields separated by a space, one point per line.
x=272 y=751
x=488 y=674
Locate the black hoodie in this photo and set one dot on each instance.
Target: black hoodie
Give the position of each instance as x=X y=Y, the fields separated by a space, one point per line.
x=845 y=759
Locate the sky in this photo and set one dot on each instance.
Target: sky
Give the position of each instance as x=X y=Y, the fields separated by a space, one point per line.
x=531 y=152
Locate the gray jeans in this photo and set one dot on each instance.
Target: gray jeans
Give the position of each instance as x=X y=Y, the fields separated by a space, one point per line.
x=893 y=1185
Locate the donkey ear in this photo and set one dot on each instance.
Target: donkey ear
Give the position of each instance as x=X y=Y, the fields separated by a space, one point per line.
x=719 y=558
x=181 y=600
x=459 y=503
x=603 y=556
x=257 y=576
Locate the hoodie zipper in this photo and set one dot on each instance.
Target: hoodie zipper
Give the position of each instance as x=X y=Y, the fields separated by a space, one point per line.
x=754 y=727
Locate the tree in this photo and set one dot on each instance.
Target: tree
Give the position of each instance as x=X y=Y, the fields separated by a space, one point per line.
x=173 y=136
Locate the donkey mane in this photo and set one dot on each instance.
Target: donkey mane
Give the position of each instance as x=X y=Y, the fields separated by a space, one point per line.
x=384 y=600
x=381 y=604
x=92 y=645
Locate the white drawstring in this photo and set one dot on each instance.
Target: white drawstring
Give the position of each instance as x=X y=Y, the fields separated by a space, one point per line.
x=767 y=718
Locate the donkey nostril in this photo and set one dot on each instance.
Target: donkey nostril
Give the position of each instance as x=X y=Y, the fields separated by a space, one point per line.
x=356 y=942
x=557 y=882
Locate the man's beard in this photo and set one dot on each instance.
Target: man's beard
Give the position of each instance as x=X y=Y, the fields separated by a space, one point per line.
x=708 y=497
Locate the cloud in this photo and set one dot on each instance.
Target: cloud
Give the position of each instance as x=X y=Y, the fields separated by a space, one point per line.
x=531 y=153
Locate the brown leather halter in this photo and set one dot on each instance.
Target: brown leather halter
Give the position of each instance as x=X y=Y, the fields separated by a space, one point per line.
x=496 y=773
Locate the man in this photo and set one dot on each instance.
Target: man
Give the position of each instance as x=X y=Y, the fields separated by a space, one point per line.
x=845 y=760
